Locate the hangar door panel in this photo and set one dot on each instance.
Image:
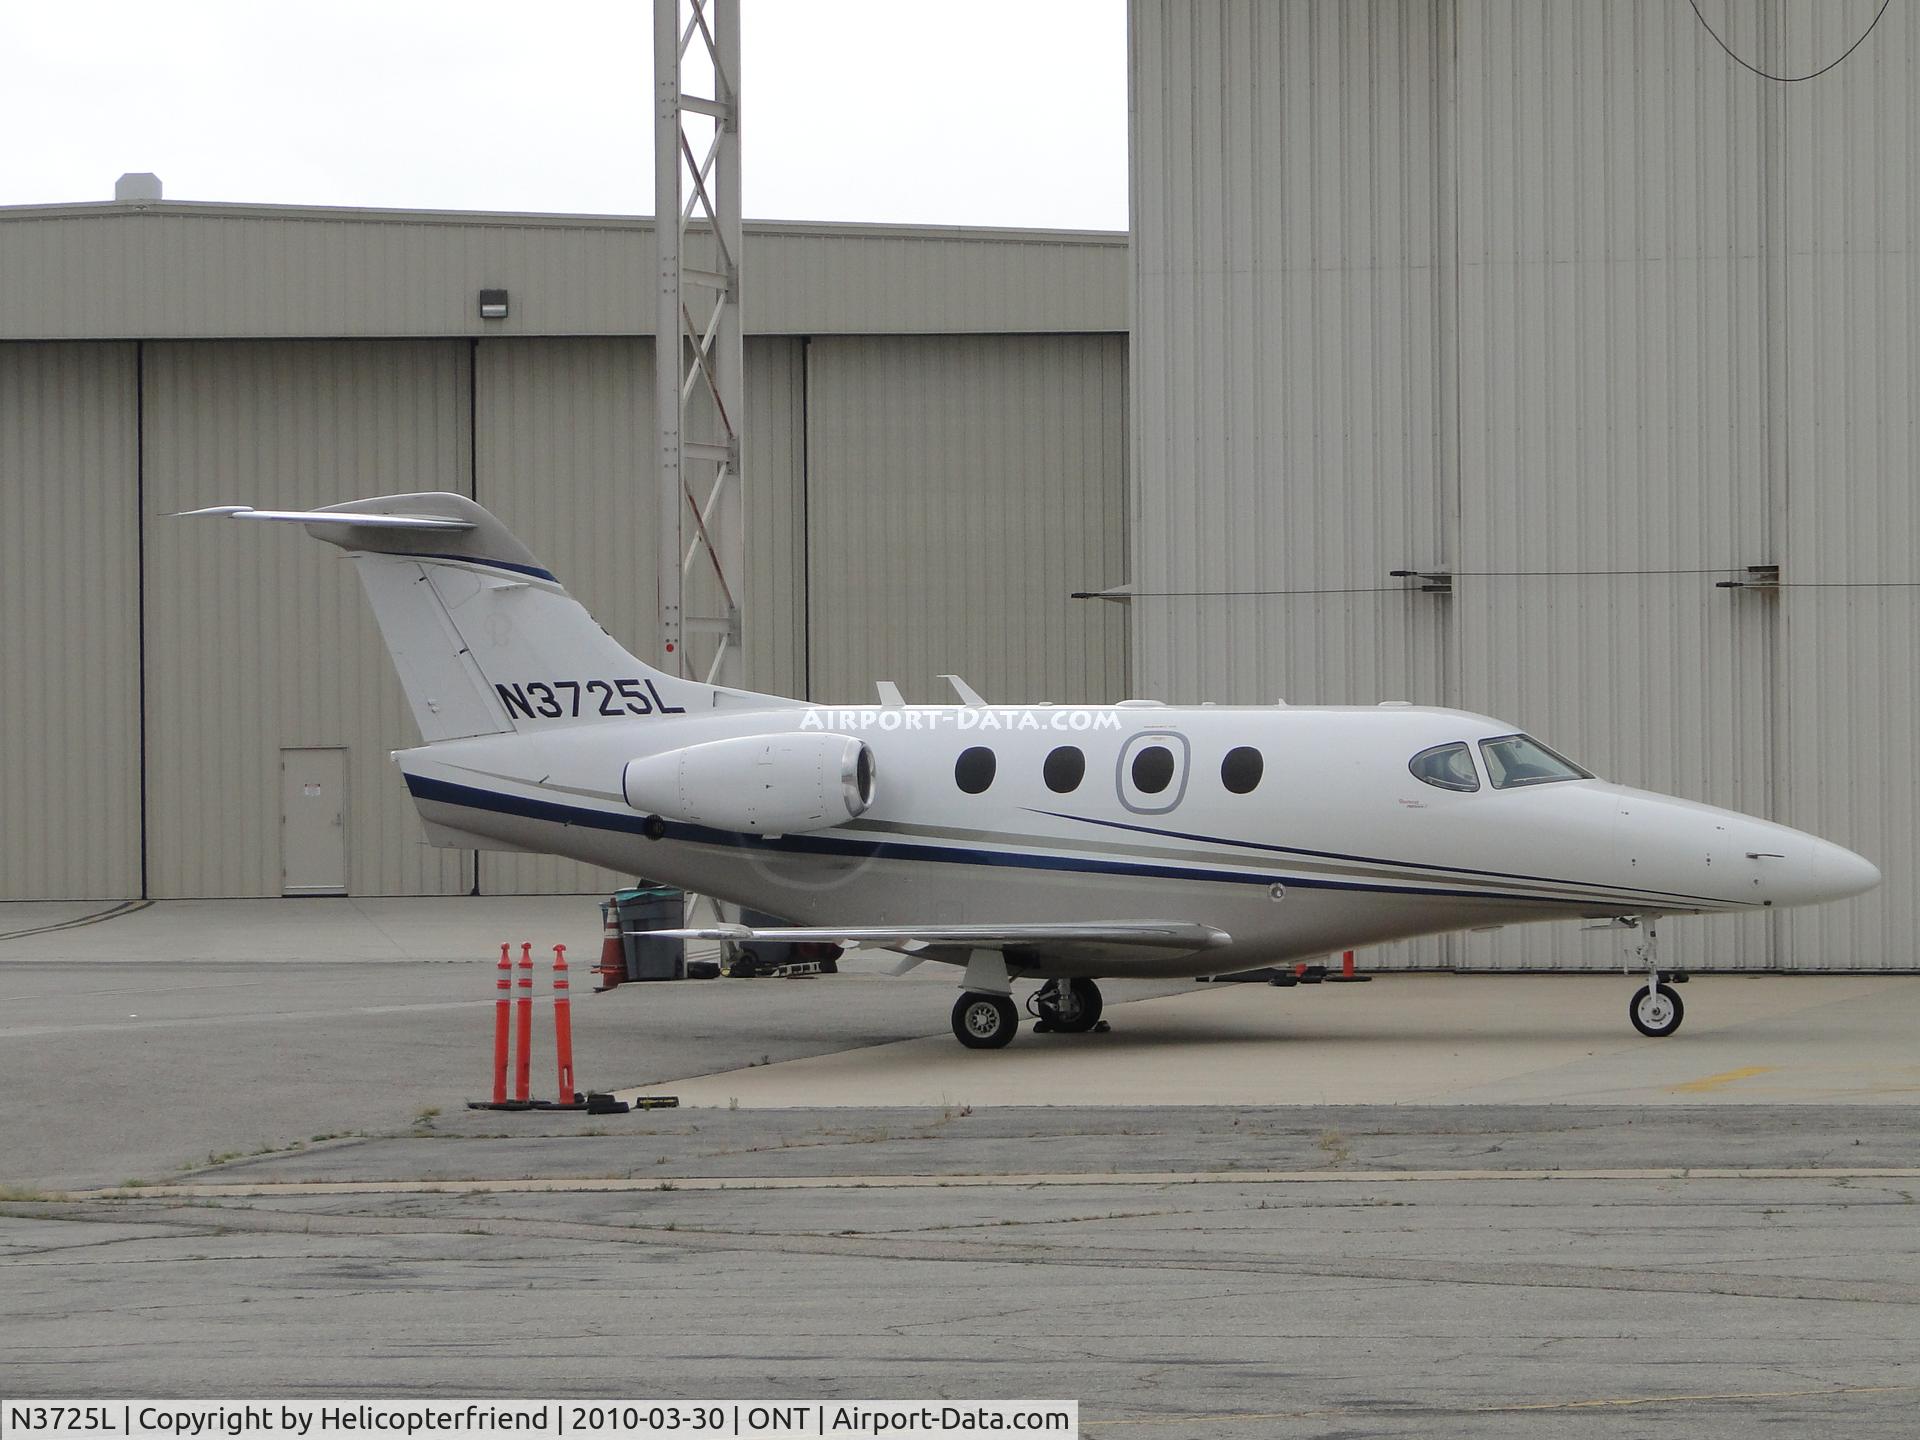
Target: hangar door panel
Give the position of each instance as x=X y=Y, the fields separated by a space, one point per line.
x=1850 y=607
x=959 y=490
x=1607 y=476
x=70 y=646
x=259 y=639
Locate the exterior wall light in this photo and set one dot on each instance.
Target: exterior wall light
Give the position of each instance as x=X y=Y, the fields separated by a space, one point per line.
x=493 y=304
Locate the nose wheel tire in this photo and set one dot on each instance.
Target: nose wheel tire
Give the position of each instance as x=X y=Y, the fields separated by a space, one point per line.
x=984 y=1022
x=1656 y=1011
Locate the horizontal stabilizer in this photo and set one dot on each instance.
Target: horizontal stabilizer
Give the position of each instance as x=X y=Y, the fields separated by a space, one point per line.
x=359 y=520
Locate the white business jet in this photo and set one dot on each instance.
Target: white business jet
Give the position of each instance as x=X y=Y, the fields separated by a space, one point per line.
x=1045 y=842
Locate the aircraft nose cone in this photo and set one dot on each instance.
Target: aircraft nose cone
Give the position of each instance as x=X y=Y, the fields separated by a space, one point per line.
x=1839 y=873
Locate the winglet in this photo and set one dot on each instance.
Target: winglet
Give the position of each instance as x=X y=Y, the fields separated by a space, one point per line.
x=890 y=695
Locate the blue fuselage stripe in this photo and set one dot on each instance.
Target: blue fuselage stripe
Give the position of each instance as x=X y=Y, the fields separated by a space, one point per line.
x=448 y=793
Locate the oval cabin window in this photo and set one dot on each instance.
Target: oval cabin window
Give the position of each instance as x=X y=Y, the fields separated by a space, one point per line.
x=1152 y=769
x=1240 y=772
x=973 y=771
x=1065 y=768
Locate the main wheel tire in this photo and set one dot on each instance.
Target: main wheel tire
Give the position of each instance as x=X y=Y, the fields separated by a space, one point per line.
x=1086 y=1008
x=1656 y=1011
x=984 y=1022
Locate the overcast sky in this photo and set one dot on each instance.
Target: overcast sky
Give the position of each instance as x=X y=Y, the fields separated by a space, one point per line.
x=982 y=112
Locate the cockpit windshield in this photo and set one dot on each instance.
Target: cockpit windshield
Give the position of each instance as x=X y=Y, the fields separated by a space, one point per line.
x=1446 y=767
x=1515 y=760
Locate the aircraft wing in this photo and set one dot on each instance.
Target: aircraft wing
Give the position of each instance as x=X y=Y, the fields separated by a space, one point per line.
x=1075 y=939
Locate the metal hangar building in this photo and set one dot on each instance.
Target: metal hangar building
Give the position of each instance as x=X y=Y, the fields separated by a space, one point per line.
x=936 y=458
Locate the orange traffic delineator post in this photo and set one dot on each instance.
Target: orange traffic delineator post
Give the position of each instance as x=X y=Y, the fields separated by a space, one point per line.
x=502 y=993
x=523 y=1027
x=592 y=1103
x=563 y=1026
x=612 y=968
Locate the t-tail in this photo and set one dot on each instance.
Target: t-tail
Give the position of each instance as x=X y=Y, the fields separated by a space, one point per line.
x=486 y=641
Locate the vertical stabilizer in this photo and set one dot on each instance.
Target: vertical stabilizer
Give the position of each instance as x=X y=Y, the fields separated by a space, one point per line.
x=484 y=638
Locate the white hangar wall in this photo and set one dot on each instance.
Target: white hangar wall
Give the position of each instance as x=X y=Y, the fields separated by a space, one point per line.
x=145 y=723
x=1557 y=300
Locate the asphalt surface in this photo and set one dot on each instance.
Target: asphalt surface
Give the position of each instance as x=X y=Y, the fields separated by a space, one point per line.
x=1373 y=1279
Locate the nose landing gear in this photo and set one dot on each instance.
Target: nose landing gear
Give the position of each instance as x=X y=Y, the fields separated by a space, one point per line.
x=1656 y=1009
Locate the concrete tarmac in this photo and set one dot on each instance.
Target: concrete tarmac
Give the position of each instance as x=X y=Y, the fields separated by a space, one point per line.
x=1408 y=1040
x=1539 y=1224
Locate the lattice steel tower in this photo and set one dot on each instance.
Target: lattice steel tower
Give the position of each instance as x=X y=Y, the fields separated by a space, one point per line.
x=699 y=378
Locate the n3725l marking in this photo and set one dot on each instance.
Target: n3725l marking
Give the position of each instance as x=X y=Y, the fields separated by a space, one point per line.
x=557 y=699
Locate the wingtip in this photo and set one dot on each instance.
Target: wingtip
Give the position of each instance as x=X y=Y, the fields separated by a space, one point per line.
x=220 y=511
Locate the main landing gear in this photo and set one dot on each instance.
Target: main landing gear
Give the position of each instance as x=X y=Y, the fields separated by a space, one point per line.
x=983 y=1020
x=1071 y=1007
x=984 y=1017
x=1656 y=1009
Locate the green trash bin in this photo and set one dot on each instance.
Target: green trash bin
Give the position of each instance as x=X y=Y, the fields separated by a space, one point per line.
x=651 y=907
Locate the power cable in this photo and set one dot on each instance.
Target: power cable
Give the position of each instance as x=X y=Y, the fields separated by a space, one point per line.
x=1787 y=79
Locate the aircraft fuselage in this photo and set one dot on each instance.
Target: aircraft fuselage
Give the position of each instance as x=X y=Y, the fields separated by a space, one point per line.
x=1336 y=843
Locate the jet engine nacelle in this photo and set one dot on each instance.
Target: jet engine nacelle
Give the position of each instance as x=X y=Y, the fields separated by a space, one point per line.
x=763 y=784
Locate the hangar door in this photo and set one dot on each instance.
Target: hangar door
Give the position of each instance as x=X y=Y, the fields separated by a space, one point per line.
x=70 y=656
x=959 y=490
x=259 y=640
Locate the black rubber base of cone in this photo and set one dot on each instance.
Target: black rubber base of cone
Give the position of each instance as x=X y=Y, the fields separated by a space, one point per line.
x=593 y=1103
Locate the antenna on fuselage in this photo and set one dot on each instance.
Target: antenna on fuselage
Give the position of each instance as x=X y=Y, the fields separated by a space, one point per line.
x=968 y=695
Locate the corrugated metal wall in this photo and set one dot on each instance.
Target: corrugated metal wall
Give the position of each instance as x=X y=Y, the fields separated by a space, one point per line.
x=1611 y=356
x=1556 y=298
x=1284 y=326
x=69 y=623
x=260 y=639
x=1286 y=377
x=1846 y=263
x=958 y=490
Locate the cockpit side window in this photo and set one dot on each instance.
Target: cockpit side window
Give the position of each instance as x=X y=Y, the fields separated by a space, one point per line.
x=1515 y=760
x=1446 y=767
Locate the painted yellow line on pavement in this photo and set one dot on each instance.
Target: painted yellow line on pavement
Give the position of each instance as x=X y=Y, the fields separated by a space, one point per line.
x=543 y=1185
x=1706 y=1084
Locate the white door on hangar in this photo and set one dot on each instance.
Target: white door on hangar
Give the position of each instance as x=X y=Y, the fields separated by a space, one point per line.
x=313 y=822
